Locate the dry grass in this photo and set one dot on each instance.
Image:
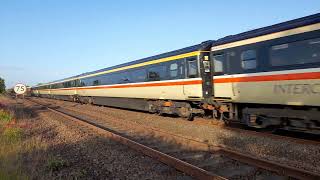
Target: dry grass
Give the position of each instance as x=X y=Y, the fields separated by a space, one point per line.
x=15 y=146
x=55 y=164
x=5 y=117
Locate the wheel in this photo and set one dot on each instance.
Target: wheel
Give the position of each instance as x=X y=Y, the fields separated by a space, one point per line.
x=190 y=117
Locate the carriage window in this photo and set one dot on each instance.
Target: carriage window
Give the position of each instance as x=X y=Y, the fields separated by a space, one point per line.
x=59 y=85
x=115 y=78
x=82 y=83
x=249 y=59
x=105 y=79
x=157 y=73
x=73 y=83
x=139 y=75
x=192 y=67
x=96 y=82
x=125 y=77
x=218 y=63
x=173 y=70
x=296 y=53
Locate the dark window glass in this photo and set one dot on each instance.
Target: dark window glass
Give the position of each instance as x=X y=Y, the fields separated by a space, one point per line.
x=249 y=59
x=125 y=77
x=113 y=78
x=296 y=53
x=104 y=79
x=218 y=63
x=192 y=67
x=67 y=84
x=73 y=83
x=96 y=82
x=92 y=81
x=174 y=70
x=77 y=83
x=138 y=75
x=86 y=82
x=182 y=69
x=157 y=73
x=82 y=83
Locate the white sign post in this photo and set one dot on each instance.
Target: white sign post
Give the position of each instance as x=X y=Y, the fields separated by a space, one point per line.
x=20 y=89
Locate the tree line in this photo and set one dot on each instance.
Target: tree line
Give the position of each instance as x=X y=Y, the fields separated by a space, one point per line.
x=2 y=86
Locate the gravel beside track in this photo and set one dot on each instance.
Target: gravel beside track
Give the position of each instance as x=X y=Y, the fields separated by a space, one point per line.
x=188 y=151
x=87 y=154
x=304 y=156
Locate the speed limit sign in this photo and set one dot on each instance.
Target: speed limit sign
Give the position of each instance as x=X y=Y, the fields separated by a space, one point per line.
x=20 y=88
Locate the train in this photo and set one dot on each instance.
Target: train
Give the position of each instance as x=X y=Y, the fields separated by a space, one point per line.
x=267 y=77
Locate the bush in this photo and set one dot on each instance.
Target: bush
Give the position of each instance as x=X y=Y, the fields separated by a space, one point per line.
x=55 y=164
x=5 y=116
x=12 y=135
x=15 y=175
x=2 y=86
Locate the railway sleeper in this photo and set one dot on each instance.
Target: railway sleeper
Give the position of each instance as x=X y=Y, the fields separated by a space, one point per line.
x=194 y=156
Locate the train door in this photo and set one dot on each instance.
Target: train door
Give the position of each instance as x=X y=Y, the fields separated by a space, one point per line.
x=222 y=88
x=193 y=89
x=206 y=74
x=74 y=84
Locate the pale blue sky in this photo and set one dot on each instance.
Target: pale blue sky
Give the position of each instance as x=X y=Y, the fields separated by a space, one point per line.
x=46 y=40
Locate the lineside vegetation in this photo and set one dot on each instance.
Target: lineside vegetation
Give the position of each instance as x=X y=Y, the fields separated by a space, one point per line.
x=2 y=86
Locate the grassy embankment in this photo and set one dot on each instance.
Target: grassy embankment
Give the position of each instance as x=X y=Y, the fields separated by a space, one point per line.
x=10 y=147
x=19 y=151
x=24 y=152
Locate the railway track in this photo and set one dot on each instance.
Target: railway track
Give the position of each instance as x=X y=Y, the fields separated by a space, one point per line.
x=298 y=137
x=195 y=158
x=233 y=127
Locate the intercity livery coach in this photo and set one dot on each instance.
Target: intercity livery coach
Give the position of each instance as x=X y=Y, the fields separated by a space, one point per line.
x=264 y=77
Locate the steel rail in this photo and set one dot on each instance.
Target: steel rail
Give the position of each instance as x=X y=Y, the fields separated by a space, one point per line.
x=264 y=164
x=178 y=164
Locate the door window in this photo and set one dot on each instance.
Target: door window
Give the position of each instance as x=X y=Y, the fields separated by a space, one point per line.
x=218 y=64
x=192 y=64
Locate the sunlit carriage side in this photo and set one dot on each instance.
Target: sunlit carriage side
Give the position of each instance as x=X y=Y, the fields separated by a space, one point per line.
x=271 y=76
x=264 y=77
x=147 y=84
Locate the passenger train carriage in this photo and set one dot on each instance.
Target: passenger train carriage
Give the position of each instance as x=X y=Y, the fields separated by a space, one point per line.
x=265 y=77
x=144 y=84
x=271 y=75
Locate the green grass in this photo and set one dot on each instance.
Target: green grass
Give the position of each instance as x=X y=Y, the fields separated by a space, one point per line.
x=12 y=135
x=12 y=175
x=10 y=148
x=5 y=116
x=55 y=164
x=16 y=145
